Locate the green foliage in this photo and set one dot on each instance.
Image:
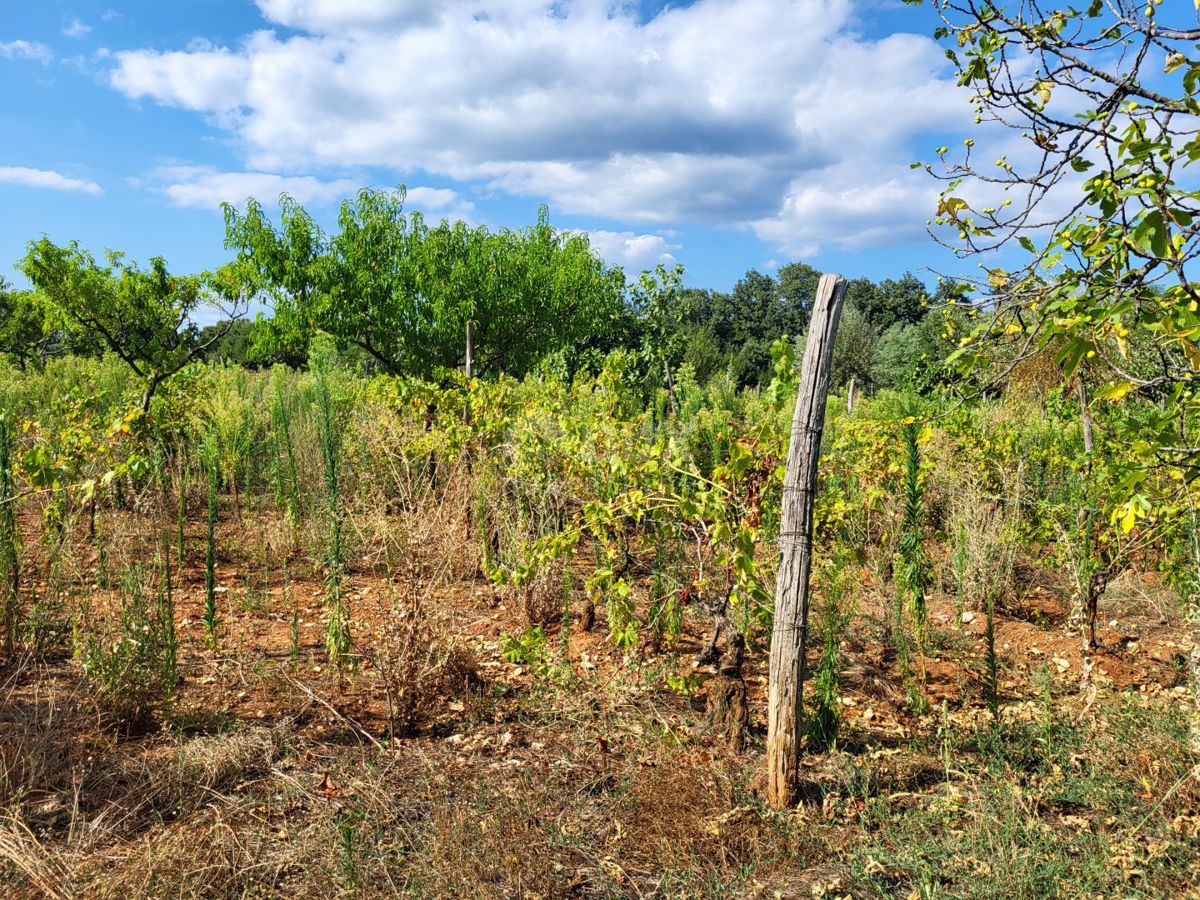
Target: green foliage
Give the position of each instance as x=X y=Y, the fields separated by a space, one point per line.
x=166 y=624
x=25 y=336
x=10 y=564
x=141 y=315
x=833 y=619
x=912 y=569
x=329 y=430
x=283 y=457
x=210 y=456
x=130 y=661
x=854 y=351
x=1106 y=287
x=533 y=651
x=909 y=356
x=77 y=455
x=402 y=291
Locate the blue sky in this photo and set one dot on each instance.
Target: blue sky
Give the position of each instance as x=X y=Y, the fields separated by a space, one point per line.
x=723 y=135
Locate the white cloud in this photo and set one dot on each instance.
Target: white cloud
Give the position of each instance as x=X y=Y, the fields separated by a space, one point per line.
x=333 y=16
x=30 y=50
x=76 y=29
x=204 y=78
x=443 y=203
x=848 y=211
x=755 y=113
x=42 y=178
x=202 y=187
x=633 y=251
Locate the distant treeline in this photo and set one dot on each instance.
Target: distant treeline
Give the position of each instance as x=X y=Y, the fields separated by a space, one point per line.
x=400 y=296
x=890 y=334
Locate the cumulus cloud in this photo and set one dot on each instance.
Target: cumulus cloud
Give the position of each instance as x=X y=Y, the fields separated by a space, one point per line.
x=30 y=50
x=723 y=113
x=202 y=187
x=850 y=212
x=76 y=29
x=326 y=16
x=633 y=251
x=203 y=78
x=439 y=202
x=43 y=178
x=205 y=187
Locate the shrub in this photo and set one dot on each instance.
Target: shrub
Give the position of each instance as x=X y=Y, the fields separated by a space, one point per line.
x=129 y=659
x=422 y=661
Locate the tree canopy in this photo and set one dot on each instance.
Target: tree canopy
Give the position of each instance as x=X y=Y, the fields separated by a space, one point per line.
x=141 y=315
x=403 y=290
x=1098 y=195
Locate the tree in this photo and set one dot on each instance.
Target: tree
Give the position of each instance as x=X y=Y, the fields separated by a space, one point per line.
x=911 y=356
x=746 y=322
x=403 y=291
x=23 y=333
x=854 y=351
x=797 y=289
x=904 y=299
x=1100 y=200
x=231 y=343
x=657 y=301
x=141 y=315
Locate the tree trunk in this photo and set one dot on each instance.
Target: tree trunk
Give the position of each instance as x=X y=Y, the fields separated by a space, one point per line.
x=1097 y=580
x=786 y=694
x=850 y=397
x=728 y=713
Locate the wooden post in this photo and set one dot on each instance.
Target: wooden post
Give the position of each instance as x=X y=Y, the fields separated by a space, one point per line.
x=786 y=690
x=469 y=369
x=470 y=363
x=850 y=397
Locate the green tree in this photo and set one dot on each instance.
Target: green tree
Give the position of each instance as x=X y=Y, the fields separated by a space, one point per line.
x=24 y=335
x=141 y=315
x=854 y=350
x=231 y=343
x=1101 y=202
x=797 y=290
x=657 y=301
x=911 y=356
x=403 y=291
x=903 y=299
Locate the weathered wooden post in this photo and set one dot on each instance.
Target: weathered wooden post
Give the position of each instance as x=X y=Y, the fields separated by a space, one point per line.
x=469 y=366
x=786 y=690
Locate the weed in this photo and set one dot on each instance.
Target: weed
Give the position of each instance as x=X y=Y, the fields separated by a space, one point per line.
x=210 y=458
x=128 y=661
x=991 y=670
x=10 y=568
x=337 y=609
x=833 y=620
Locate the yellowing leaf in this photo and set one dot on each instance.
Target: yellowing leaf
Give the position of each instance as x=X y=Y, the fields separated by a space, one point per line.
x=1114 y=392
x=951 y=206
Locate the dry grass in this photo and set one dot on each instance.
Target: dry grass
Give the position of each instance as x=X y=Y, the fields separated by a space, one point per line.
x=420 y=657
